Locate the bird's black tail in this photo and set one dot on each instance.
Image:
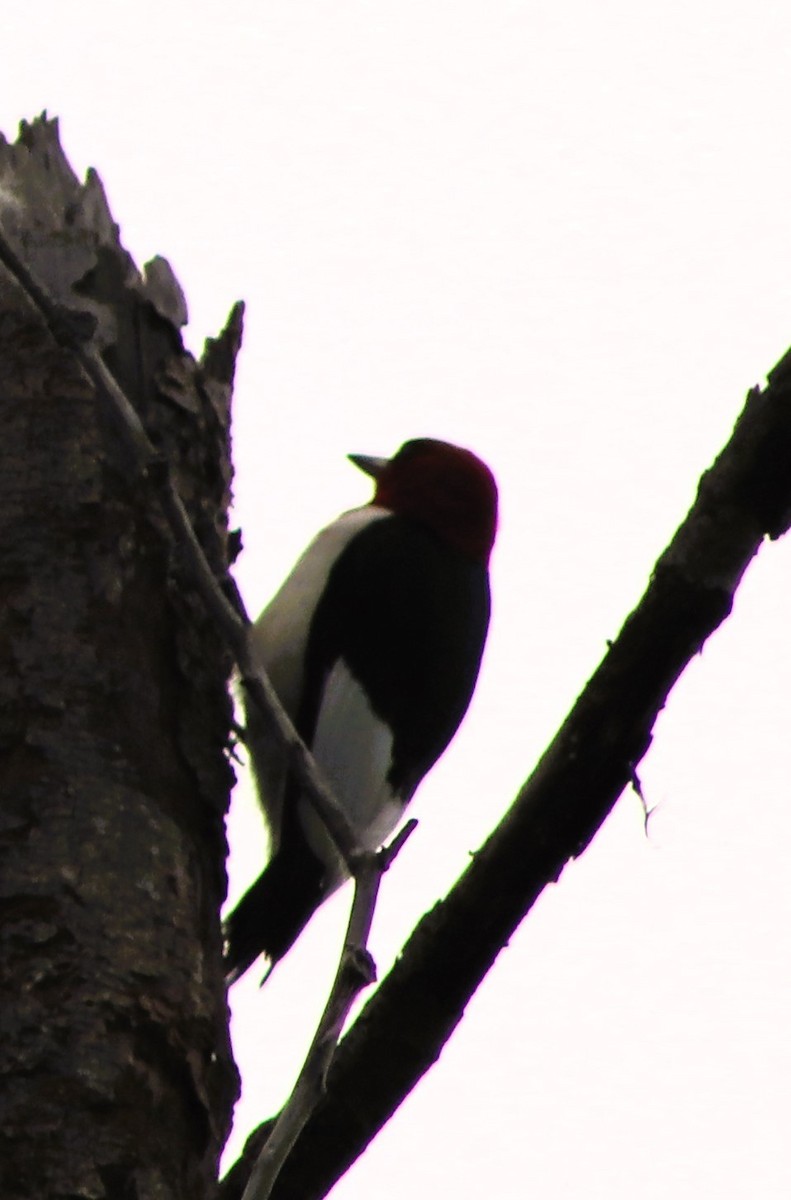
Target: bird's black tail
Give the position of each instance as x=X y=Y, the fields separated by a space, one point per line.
x=273 y=912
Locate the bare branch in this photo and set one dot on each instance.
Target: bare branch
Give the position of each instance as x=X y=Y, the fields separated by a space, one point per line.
x=355 y=971
x=745 y=496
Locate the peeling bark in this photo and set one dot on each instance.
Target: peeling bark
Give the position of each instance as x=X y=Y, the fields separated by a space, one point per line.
x=116 y=1077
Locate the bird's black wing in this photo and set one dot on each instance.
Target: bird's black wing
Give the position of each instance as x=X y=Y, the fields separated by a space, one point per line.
x=408 y=615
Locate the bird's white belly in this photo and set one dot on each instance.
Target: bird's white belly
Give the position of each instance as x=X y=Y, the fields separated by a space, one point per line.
x=353 y=748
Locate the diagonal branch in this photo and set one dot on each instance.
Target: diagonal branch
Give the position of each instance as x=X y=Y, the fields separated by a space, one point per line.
x=745 y=496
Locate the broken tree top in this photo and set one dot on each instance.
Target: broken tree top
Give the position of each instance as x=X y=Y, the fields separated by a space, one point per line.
x=64 y=239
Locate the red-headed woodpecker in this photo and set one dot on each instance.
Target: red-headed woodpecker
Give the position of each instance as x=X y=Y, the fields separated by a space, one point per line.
x=373 y=645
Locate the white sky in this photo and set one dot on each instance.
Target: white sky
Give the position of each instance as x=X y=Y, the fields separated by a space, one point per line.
x=559 y=233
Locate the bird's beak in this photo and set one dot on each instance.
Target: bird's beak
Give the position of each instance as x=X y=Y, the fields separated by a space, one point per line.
x=368 y=463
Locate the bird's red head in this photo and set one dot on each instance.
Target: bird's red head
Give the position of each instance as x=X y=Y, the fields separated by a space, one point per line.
x=447 y=488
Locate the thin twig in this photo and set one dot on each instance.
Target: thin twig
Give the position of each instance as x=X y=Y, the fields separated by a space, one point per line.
x=62 y=323
x=355 y=971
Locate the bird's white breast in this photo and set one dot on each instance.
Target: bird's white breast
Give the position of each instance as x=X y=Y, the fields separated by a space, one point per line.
x=353 y=748
x=279 y=636
x=279 y=641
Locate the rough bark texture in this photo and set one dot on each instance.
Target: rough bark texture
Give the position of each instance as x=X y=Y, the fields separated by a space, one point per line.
x=400 y=1033
x=115 y=1072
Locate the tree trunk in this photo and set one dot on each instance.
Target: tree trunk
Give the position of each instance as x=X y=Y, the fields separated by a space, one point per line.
x=115 y=1065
